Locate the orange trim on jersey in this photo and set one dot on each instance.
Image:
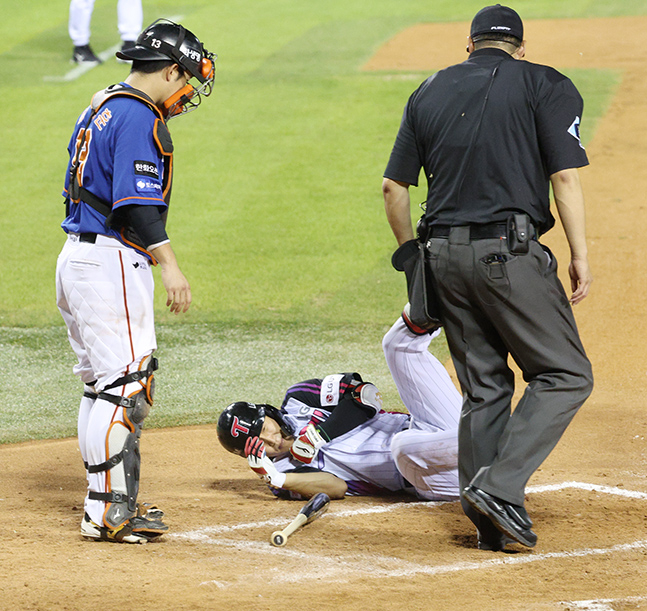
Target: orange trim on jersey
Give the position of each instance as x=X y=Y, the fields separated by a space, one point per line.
x=170 y=181
x=160 y=148
x=152 y=199
x=138 y=249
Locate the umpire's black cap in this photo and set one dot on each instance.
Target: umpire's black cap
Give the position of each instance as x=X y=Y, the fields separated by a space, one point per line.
x=496 y=19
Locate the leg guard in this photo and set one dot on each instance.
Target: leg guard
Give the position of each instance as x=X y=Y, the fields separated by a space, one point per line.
x=122 y=443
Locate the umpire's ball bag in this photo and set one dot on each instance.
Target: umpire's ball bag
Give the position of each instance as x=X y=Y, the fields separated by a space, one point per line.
x=410 y=259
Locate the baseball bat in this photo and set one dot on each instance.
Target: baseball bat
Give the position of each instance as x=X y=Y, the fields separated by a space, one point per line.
x=309 y=512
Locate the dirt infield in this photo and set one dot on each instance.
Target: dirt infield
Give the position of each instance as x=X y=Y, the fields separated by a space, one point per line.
x=588 y=501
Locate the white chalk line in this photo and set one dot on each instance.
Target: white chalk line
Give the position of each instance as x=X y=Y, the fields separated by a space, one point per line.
x=338 y=569
x=81 y=69
x=614 y=490
x=602 y=604
x=202 y=534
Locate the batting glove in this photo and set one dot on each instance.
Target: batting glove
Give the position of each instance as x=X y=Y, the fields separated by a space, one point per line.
x=307 y=445
x=261 y=465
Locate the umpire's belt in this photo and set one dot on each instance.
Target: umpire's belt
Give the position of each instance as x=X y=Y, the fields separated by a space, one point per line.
x=490 y=231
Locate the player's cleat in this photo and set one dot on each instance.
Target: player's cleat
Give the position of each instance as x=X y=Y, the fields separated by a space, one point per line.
x=149 y=511
x=84 y=55
x=126 y=45
x=138 y=529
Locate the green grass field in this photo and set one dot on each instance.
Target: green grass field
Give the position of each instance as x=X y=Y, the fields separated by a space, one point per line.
x=277 y=216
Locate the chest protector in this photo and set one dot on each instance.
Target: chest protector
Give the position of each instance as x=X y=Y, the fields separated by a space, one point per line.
x=163 y=142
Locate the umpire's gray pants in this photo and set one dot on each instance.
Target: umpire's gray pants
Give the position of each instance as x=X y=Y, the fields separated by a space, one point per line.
x=495 y=306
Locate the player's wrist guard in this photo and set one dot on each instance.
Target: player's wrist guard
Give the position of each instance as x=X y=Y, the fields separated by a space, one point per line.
x=261 y=465
x=306 y=447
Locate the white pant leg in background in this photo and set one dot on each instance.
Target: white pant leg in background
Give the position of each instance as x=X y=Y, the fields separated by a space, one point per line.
x=105 y=295
x=79 y=21
x=427 y=454
x=130 y=18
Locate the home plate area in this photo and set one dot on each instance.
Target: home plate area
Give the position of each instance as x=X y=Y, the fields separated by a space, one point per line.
x=574 y=520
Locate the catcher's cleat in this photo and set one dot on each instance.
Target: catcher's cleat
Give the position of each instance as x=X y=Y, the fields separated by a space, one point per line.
x=138 y=529
x=149 y=511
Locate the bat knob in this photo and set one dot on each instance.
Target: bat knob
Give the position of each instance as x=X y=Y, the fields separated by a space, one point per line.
x=278 y=540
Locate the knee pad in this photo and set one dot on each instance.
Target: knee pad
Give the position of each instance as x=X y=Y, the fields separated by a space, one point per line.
x=139 y=389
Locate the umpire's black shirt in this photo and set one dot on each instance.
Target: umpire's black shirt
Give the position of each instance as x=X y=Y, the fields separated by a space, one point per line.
x=489 y=132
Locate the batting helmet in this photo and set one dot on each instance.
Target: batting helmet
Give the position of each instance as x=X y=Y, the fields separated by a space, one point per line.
x=240 y=421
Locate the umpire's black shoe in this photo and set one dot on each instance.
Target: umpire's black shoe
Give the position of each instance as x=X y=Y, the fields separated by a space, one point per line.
x=497 y=544
x=510 y=519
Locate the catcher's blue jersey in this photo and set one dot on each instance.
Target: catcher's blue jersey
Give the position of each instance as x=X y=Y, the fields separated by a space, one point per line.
x=119 y=163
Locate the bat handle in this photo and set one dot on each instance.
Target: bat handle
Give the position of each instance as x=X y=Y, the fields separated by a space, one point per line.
x=280 y=538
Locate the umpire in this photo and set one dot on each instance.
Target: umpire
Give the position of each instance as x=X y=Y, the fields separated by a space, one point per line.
x=491 y=134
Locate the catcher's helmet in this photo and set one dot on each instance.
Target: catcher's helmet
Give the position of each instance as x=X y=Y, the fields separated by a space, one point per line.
x=240 y=421
x=165 y=40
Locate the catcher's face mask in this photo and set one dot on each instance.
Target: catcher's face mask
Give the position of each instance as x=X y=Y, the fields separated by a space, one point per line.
x=189 y=98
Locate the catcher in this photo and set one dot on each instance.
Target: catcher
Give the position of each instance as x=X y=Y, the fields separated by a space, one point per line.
x=331 y=435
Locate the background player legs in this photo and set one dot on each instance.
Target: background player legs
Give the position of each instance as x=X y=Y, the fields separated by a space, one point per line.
x=130 y=18
x=79 y=21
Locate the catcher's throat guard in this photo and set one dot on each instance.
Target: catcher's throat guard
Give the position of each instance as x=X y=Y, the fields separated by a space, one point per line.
x=189 y=98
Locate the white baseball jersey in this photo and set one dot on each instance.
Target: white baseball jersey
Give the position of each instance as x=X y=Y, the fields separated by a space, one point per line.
x=362 y=457
x=417 y=452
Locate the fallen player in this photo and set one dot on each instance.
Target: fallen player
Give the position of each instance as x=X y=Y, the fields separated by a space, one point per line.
x=331 y=435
